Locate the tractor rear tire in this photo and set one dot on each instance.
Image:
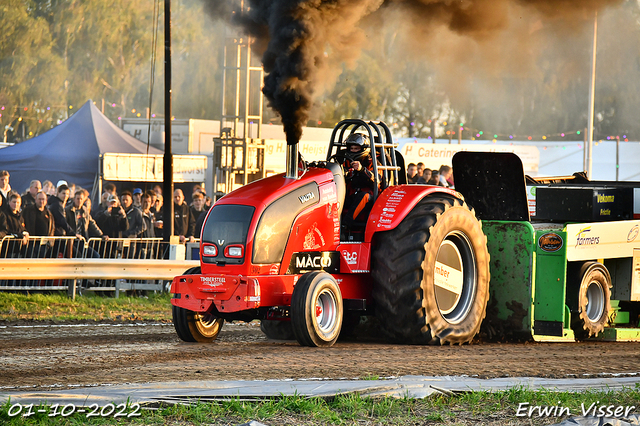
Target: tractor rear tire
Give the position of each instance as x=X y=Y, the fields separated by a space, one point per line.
x=594 y=300
x=431 y=274
x=201 y=327
x=316 y=310
x=277 y=330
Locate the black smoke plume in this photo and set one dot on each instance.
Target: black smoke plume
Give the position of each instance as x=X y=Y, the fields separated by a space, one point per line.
x=303 y=42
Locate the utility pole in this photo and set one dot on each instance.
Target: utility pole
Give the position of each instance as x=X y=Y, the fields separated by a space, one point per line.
x=167 y=173
x=592 y=90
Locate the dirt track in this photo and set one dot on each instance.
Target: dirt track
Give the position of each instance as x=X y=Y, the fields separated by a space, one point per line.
x=63 y=355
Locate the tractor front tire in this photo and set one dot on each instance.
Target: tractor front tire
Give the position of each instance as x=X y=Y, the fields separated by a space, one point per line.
x=594 y=300
x=431 y=274
x=201 y=327
x=316 y=310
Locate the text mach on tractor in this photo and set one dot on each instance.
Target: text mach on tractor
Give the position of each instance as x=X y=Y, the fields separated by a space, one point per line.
x=424 y=263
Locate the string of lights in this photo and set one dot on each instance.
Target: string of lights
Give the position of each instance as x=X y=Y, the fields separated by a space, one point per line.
x=33 y=112
x=481 y=134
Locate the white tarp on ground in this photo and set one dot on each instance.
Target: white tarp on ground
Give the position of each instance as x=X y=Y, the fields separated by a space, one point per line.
x=407 y=386
x=600 y=421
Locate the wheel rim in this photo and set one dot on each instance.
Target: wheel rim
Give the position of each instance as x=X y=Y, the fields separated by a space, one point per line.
x=326 y=311
x=595 y=301
x=208 y=324
x=455 y=277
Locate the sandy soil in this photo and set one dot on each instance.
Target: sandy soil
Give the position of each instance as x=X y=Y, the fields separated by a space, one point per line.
x=64 y=355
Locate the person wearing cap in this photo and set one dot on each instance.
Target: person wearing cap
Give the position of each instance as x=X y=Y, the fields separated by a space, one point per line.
x=137 y=197
x=5 y=188
x=54 y=197
x=109 y=189
x=113 y=219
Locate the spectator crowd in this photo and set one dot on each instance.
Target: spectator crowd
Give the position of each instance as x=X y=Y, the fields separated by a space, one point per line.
x=418 y=174
x=45 y=210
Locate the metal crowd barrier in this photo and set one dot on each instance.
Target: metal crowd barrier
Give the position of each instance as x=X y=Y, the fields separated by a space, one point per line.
x=35 y=248
x=125 y=248
x=134 y=253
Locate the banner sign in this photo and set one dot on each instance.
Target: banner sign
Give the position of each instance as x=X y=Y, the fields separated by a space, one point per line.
x=149 y=168
x=433 y=155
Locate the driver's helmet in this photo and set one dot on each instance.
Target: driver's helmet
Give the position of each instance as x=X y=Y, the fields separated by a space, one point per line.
x=362 y=141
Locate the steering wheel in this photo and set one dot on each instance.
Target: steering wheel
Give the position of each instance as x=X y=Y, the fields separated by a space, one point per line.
x=341 y=156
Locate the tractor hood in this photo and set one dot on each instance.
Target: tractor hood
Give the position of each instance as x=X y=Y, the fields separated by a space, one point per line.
x=254 y=222
x=263 y=192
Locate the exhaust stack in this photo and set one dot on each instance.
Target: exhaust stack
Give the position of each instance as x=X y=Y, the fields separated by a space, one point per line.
x=292 y=161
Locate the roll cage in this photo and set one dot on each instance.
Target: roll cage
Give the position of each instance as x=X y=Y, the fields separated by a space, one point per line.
x=391 y=162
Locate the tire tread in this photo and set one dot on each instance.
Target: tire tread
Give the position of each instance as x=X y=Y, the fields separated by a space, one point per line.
x=397 y=273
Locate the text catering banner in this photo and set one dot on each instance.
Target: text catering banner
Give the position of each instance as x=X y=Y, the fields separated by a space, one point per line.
x=149 y=168
x=433 y=155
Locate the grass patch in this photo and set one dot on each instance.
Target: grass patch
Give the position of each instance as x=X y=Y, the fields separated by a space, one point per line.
x=59 y=307
x=497 y=408
x=370 y=377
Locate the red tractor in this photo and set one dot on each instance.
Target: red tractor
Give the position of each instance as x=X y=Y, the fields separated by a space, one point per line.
x=279 y=250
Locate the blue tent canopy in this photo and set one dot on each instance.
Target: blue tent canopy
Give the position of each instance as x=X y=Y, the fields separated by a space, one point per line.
x=70 y=151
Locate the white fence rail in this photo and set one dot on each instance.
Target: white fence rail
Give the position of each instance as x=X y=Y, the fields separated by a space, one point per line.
x=67 y=263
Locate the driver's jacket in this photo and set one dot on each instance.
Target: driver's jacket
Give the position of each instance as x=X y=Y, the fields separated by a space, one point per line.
x=362 y=179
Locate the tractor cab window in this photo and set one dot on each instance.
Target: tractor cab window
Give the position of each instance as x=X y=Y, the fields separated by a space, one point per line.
x=227 y=225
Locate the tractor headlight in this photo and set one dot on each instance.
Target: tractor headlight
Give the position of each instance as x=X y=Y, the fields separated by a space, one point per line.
x=234 y=251
x=210 y=250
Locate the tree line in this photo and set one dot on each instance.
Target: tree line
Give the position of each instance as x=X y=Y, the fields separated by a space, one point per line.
x=56 y=54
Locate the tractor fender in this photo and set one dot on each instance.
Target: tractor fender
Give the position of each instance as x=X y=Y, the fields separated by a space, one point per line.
x=396 y=202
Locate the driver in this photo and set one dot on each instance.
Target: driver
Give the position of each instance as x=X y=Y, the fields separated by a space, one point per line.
x=359 y=178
